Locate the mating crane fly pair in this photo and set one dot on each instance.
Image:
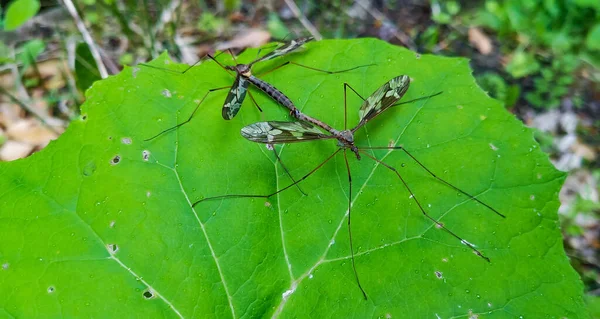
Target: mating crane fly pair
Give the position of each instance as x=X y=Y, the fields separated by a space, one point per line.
x=307 y=128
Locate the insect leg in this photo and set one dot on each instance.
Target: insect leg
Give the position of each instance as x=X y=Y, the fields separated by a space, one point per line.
x=314 y=69
x=435 y=221
x=353 y=90
x=255 y=103
x=189 y=67
x=265 y=48
x=191 y=115
x=349 y=227
x=404 y=102
x=271 y=194
x=418 y=99
x=471 y=197
x=287 y=172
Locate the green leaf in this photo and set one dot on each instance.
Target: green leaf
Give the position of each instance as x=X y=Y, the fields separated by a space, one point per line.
x=86 y=69
x=594 y=305
x=210 y=23
x=592 y=40
x=276 y=27
x=30 y=52
x=522 y=64
x=100 y=223
x=19 y=11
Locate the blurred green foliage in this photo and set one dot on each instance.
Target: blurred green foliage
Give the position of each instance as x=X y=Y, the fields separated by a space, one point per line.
x=86 y=69
x=497 y=88
x=547 y=42
x=18 y=12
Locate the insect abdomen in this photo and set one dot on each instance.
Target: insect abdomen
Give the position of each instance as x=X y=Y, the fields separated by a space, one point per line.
x=274 y=93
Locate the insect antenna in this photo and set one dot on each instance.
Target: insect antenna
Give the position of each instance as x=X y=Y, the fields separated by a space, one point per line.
x=435 y=221
x=471 y=197
x=271 y=194
x=232 y=56
x=349 y=225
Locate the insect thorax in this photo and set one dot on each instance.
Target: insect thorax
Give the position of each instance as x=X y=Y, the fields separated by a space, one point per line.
x=243 y=69
x=345 y=138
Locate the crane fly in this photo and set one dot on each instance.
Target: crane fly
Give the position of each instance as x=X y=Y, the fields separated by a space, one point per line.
x=244 y=77
x=309 y=129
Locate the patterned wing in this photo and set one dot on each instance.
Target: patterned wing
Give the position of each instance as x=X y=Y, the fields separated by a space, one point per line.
x=235 y=97
x=275 y=132
x=386 y=96
x=284 y=49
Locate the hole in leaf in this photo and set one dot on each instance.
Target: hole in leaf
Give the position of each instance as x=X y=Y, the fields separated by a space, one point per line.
x=126 y=140
x=145 y=155
x=84 y=117
x=438 y=274
x=115 y=160
x=112 y=248
x=148 y=294
x=50 y=289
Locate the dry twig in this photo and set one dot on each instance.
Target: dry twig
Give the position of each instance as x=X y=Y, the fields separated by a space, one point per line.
x=86 y=37
x=309 y=26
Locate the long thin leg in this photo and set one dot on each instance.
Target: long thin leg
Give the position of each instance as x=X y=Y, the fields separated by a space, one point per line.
x=353 y=90
x=349 y=227
x=254 y=101
x=264 y=48
x=191 y=115
x=314 y=69
x=345 y=109
x=189 y=67
x=434 y=176
x=438 y=224
x=404 y=102
x=274 y=150
x=418 y=99
x=274 y=193
x=287 y=172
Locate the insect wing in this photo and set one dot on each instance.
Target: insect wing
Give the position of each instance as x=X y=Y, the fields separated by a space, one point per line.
x=386 y=96
x=235 y=98
x=284 y=49
x=282 y=132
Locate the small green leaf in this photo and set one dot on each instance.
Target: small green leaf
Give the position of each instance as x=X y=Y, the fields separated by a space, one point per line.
x=592 y=41
x=522 y=64
x=86 y=69
x=30 y=51
x=100 y=222
x=277 y=29
x=19 y=11
x=208 y=22
x=593 y=303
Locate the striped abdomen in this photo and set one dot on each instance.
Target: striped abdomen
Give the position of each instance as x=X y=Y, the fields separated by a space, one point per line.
x=275 y=94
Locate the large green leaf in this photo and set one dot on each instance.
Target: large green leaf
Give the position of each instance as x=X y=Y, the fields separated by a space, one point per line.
x=100 y=224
